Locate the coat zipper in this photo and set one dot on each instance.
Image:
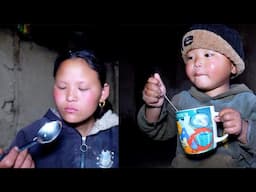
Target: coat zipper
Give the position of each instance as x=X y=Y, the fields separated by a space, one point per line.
x=83 y=149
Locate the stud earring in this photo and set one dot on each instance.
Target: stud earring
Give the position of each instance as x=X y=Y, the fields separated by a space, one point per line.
x=102 y=104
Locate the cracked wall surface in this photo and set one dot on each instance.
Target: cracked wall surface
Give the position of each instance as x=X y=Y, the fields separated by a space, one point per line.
x=25 y=82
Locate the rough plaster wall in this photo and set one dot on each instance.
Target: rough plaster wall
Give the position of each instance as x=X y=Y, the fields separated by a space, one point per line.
x=35 y=82
x=7 y=85
x=25 y=82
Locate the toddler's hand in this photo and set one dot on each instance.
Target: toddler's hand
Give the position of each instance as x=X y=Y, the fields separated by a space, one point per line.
x=154 y=91
x=232 y=121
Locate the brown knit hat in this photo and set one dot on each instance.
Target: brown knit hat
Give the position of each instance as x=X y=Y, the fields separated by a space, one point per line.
x=216 y=37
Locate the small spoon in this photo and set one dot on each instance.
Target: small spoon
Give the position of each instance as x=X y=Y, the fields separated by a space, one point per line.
x=46 y=134
x=169 y=101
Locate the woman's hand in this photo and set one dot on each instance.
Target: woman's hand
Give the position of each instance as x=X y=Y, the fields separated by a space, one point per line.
x=16 y=159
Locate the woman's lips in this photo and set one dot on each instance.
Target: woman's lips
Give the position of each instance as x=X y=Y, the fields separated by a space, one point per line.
x=70 y=109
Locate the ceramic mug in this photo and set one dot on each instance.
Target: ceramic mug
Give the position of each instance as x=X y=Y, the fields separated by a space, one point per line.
x=197 y=129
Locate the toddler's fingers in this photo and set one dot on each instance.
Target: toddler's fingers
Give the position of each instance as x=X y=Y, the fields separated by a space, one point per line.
x=157 y=76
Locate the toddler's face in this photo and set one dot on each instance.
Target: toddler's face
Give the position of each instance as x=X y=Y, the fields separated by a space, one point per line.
x=209 y=70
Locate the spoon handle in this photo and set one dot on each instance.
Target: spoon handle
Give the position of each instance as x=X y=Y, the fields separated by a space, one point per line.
x=22 y=148
x=169 y=101
x=27 y=145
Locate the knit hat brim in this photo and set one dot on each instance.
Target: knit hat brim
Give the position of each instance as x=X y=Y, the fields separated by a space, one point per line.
x=204 y=39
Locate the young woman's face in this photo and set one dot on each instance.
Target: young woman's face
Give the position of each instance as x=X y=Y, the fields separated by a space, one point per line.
x=209 y=70
x=77 y=90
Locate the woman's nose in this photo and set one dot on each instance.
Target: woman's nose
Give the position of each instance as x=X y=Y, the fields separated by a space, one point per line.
x=71 y=96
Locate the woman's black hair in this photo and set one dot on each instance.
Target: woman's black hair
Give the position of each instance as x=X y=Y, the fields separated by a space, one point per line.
x=94 y=63
x=88 y=56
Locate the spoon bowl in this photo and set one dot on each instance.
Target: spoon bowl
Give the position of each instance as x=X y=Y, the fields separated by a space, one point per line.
x=49 y=132
x=46 y=134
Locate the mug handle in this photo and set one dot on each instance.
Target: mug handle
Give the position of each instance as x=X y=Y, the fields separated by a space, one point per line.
x=222 y=138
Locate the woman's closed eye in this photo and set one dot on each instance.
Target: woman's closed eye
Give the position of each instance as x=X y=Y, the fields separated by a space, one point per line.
x=61 y=87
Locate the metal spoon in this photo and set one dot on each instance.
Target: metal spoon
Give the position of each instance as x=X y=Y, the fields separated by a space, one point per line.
x=46 y=134
x=169 y=101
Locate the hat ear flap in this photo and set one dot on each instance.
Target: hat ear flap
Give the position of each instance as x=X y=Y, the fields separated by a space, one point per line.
x=233 y=69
